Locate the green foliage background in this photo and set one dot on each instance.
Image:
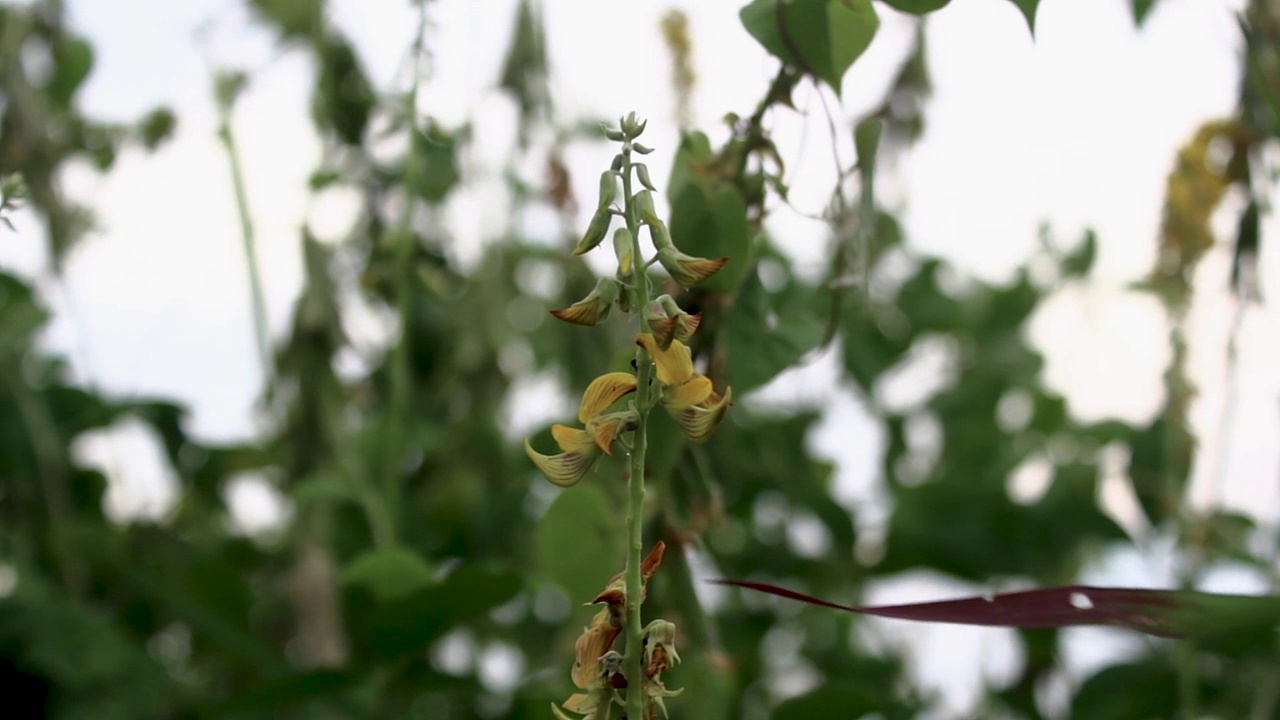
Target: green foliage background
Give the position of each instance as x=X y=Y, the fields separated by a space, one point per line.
x=416 y=518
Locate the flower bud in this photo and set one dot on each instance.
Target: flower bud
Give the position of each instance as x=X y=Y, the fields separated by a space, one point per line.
x=686 y=269
x=594 y=308
x=642 y=172
x=669 y=322
x=642 y=149
x=632 y=126
x=596 y=231
x=660 y=236
x=608 y=190
x=643 y=203
x=614 y=135
x=624 y=249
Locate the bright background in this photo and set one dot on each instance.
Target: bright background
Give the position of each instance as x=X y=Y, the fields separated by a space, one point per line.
x=1075 y=130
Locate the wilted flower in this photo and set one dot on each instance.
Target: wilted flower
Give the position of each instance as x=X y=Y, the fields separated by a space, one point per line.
x=580 y=448
x=669 y=322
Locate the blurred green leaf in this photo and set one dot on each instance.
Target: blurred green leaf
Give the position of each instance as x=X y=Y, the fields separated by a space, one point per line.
x=916 y=7
x=410 y=622
x=769 y=332
x=72 y=62
x=388 y=573
x=580 y=546
x=828 y=34
x=1141 y=9
x=708 y=214
x=841 y=699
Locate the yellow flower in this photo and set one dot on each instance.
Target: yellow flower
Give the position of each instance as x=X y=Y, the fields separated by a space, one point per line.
x=669 y=322
x=687 y=395
x=580 y=448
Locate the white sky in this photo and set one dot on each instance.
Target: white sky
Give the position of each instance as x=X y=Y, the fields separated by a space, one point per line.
x=1077 y=129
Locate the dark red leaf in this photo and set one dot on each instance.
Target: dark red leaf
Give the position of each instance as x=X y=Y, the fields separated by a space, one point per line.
x=1164 y=613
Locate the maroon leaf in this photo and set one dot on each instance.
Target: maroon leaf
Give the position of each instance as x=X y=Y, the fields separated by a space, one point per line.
x=1164 y=613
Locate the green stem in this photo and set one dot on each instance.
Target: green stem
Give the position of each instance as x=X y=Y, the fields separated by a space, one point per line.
x=635 y=503
x=249 y=239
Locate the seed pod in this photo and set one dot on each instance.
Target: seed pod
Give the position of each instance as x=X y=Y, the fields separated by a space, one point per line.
x=642 y=149
x=608 y=190
x=596 y=231
x=642 y=171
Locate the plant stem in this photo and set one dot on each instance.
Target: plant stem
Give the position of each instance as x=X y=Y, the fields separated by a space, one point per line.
x=249 y=238
x=635 y=503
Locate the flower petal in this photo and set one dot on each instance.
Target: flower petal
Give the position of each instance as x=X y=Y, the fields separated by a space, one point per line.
x=572 y=439
x=687 y=394
x=594 y=308
x=606 y=428
x=566 y=468
x=687 y=269
x=603 y=392
x=698 y=422
x=675 y=364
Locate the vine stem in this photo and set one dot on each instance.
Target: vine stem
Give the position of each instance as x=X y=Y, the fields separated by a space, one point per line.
x=635 y=502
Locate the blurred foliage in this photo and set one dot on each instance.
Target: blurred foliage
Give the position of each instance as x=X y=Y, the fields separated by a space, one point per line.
x=422 y=551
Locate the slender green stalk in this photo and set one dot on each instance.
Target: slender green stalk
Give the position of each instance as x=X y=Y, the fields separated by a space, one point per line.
x=635 y=501
x=249 y=238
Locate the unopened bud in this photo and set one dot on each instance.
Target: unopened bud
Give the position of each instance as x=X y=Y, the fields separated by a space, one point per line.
x=595 y=307
x=596 y=231
x=643 y=203
x=608 y=189
x=624 y=248
x=642 y=172
x=642 y=149
x=686 y=269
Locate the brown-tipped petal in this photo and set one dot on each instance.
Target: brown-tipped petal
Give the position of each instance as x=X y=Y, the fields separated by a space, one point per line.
x=594 y=308
x=652 y=562
x=687 y=394
x=603 y=392
x=606 y=429
x=687 y=325
x=699 y=421
x=675 y=364
x=664 y=330
x=565 y=469
x=686 y=269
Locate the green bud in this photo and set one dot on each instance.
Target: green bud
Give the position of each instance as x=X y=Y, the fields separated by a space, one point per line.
x=614 y=135
x=642 y=171
x=608 y=189
x=661 y=238
x=596 y=231
x=642 y=149
x=687 y=269
x=624 y=248
x=632 y=126
x=618 y=160
x=643 y=203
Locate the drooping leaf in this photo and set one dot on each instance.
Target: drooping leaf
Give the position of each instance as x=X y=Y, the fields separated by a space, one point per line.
x=1141 y=9
x=917 y=7
x=827 y=35
x=1028 y=10
x=1162 y=613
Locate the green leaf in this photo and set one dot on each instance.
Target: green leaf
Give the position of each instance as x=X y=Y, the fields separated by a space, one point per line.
x=389 y=573
x=832 y=701
x=828 y=34
x=296 y=19
x=580 y=546
x=769 y=332
x=411 y=622
x=1146 y=689
x=434 y=171
x=1028 y=9
x=1141 y=9
x=708 y=213
x=1079 y=262
x=916 y=7
x=72 y=61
